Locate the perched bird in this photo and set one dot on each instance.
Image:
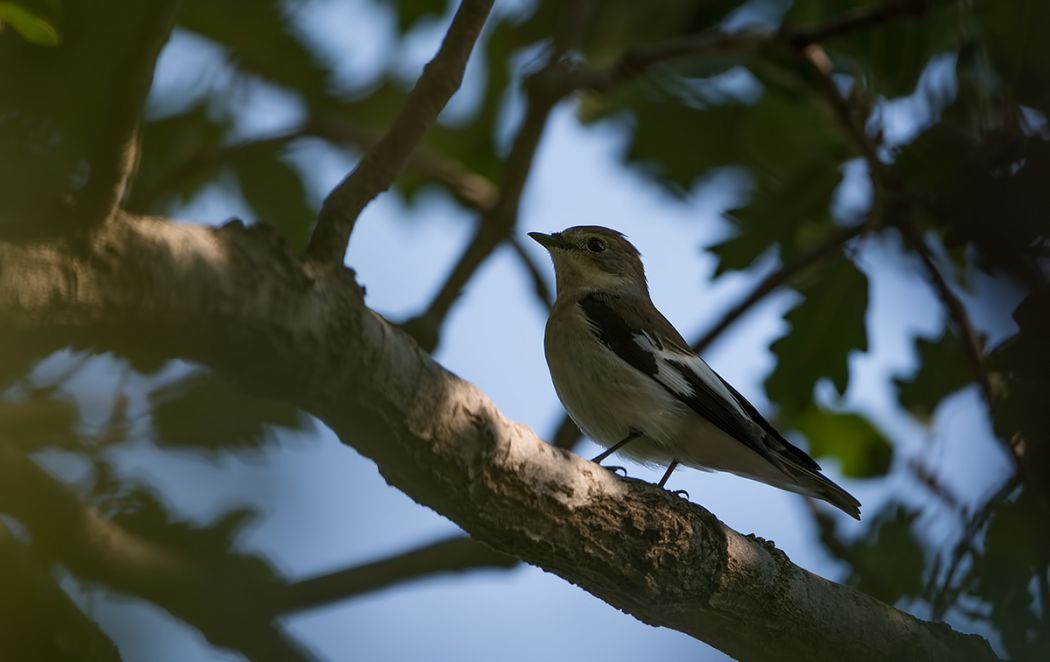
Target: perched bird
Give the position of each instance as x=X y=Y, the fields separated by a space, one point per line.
x=631 y=383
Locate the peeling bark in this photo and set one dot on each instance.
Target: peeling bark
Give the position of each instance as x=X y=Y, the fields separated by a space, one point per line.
x=237 y=300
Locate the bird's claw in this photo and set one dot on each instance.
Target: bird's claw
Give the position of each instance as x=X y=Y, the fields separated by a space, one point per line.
x=681 y=493
x=612 y=468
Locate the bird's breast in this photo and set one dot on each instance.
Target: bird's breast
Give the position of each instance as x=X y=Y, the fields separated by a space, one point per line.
x=603 y=394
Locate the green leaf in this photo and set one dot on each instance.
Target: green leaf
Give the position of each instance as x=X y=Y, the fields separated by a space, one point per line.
x=861 y=450
x=825 y=328
x=43 y=419
x=35 y=20
x=891 y=55
x=275 y=190
x=206 y=412
x=410 y=12
x=685 y=127
x=888 y=563
x=174 y=164
x=942 y=370
x=209 y=548
x=783 y=211
x=262 y=40
x=1016 y=43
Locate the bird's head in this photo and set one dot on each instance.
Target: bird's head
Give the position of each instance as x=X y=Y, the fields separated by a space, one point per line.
x=593 y=257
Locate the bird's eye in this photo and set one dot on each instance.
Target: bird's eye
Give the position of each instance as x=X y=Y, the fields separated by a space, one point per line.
x=595 y=245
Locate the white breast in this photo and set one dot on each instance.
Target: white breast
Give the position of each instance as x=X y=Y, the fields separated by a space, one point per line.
x=605 y=396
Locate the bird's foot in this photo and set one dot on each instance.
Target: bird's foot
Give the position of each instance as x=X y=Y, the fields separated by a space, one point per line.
x=612 y=468
x=681 y=493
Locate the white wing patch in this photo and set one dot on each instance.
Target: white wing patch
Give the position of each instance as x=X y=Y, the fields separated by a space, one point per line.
x=674 y=380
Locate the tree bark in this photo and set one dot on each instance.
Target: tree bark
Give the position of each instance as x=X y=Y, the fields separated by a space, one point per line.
x=237 y=300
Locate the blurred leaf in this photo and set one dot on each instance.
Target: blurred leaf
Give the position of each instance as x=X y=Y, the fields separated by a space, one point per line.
x=410 y=12
x=206 y=412
x=684 y=128
x=888 y=562
x=264 y=42
x=1016 y=547
x=35 y=20
x=1015 y=38
x=825 y=328
x=211 y=548
x=892 y=55
x=45 y=418
x=776 y=214
x=942 y=370
x=168 y=173
x=930 y=159
x=861 y=450
x=614 y=26
x=275 y=190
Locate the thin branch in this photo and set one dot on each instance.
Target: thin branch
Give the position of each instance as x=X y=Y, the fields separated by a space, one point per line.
x=204 y=161
x=859 y=19
x=457 y=554
x=543 y=90
x=942 y=597
x=114 y=156
x=775 y=279
x=956 y=312
x=96 y=549
x=376 y=171
x=468 y=187
x=637 y=61
x=539 y=283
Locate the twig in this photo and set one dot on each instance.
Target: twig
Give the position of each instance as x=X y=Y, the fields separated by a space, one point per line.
x=861 y=18
x=927 y=478
x=945 y=594
x=788 y=271
x=539 y=283
x=637 y=61
x=544 y=89
x=114 y=156
x=376 y=171
x=216 y=157
x=455 y=554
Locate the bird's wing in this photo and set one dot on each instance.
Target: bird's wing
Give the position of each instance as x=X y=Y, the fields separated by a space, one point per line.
x=653 y=347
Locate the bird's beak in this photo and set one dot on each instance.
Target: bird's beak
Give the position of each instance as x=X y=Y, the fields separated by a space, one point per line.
x=549 y=241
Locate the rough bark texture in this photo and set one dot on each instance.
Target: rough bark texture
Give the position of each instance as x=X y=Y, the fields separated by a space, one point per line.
x=235 y=299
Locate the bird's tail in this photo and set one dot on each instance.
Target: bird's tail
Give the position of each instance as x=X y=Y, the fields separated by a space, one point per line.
x=816 y=484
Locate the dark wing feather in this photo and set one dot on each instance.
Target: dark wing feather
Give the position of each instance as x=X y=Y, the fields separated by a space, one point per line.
x=617 y=331
x=789 y=449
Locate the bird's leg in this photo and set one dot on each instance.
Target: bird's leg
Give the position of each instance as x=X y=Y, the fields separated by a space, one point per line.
x=631 y=436
x=667 y=474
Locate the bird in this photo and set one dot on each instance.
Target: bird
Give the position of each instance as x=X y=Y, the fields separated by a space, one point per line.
x=632 y=384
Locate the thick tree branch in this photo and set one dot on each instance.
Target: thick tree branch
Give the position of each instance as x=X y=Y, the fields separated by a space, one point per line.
x=227 y=297
x=380 y=166
x=455 y=554
x=97 y=550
